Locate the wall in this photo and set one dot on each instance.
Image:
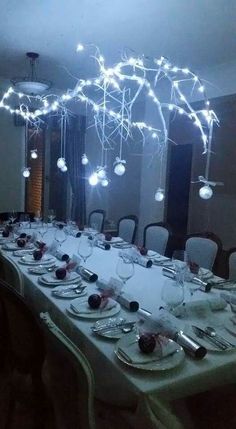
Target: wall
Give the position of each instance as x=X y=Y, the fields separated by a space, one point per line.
x=11 y=163
x=217 y=214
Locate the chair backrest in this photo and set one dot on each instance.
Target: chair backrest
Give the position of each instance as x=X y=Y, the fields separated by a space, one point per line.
x=78 y=388
x=202 y=251
x=127 y=228
x=232 y=263
x=155 y=238
x=96 y=219
x=24 y=340
x=11 y=274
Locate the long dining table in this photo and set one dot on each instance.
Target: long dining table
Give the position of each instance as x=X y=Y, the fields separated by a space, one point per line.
x=152 y=395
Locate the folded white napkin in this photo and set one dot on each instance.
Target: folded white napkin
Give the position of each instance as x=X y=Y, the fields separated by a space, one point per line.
x=161 y=322
x=133 y=354
x=201 y=306
x=228 y=297
x=136 y=257
x=84 y=308
x=112 y=284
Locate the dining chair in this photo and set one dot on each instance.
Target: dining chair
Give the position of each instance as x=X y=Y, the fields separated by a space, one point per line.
x=155 y=237
x=96 y=219
x=202 y=251
x=72 y=390
x=127 y=228
x=11 y=274
x=24 y=350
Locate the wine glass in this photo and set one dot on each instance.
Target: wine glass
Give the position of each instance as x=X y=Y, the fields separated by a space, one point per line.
x=85 y=249
x=13 y=216
x=172 y=294
x=125 y=268
x=60 y=236
x=43 y=229
x=51 y=215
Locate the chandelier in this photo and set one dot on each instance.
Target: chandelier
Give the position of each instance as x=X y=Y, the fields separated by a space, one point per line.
x=30 y=84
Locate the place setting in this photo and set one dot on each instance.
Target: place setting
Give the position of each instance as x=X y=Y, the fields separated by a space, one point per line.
x=95 y=307
x=60 y=276
x=113 y=328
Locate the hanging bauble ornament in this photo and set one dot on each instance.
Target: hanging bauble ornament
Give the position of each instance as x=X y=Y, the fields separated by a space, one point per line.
x=159 y=195
x=64 y=168
x=205 y=192
x=104 y=182
x=101 y=172
x=26 y=172
x=119 y=166
x=93 y=179
x=119 y=169
x=33 y=154
x=84 y=159
x=61 y=162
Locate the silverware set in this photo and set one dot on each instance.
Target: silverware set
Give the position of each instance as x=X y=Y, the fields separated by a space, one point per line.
x=210 y=335
x=125 y=327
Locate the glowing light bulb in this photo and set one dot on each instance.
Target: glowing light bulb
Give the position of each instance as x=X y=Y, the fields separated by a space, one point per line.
x=159 y=195
x=61 y=162
x=64 y=169
x=34 y=154
x=104 y=182
x=80 y=47
x=101 y=173
x=26 y=172
x=84 y=159
x=93 y=179
x=119 y=169
x=205 y=192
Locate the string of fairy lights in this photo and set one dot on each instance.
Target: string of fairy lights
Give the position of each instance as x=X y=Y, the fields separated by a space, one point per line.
x=112 y=96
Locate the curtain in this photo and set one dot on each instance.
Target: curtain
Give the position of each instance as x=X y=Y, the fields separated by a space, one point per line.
x=75 y=147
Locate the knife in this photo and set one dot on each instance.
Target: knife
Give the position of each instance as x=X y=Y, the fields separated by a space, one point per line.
x=202 y=334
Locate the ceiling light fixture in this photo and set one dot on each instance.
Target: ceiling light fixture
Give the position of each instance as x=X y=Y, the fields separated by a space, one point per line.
x=31 y=84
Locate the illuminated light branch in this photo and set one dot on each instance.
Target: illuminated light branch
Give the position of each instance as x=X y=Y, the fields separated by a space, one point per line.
x=112 y=95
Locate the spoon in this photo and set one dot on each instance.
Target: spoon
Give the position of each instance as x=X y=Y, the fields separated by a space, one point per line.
x=212 y=332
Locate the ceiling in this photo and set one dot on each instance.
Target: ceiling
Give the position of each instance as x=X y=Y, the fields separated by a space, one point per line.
x=192 y=33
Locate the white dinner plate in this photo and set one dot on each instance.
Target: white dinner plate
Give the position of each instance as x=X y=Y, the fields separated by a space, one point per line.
x=50 y=279
x=163 y=364
x=45 y=260
x=114 y=240
x=39 y=269
x=96 y=314
x=14 y=246
x=67 y=292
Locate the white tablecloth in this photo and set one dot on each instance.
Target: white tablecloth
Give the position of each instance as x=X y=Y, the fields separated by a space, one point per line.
x=150 y=393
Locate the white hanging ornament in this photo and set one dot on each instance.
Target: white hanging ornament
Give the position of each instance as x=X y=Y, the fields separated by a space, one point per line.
x=205 y=192
x=119 y=166
x=159 y=195
x=101 y=172
x=61 y=162
x=84 y=159
x=26 y=172
x=93 y=179
x=64 y=168
x=104 y=182
x=33 y=154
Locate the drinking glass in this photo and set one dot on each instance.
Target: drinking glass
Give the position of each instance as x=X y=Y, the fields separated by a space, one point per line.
x=172 y=294
x=43 y=229
x=125 y=268
x=13 y=216
x=85 y=249
x=60 y=236
x=51 y=215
